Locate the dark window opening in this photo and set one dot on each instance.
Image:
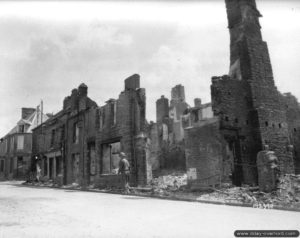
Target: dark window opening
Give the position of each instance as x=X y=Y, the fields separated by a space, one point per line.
x=236 y=120
x=1 y=166
x=110 y=158
x=295 y=130
x=113 y=111
x=52 y=137
x=21 y=128
x=267 y=123
x=58 y=165
x=229 y=93
x=11 y=166
x=45 y=166
x=295 y=153
x=247 y=122
x=226 y=119
x=62 y=135
x=279 y=125
x=196 y=116
x=75 y=133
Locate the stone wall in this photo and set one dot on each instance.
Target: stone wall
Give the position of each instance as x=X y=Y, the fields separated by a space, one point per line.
x=205 y=155
x=120 y=121
x=61 y=143
x=248 y=101
x=293 y=120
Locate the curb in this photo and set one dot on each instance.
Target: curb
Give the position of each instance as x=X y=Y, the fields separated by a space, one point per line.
x=275 y=207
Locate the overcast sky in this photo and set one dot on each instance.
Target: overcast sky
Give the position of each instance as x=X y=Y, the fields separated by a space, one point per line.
x=49 y=48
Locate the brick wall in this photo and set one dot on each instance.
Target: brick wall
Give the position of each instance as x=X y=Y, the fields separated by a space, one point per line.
x=54 y=139
x=248 y=101
x=122 y=125
x=205 y=152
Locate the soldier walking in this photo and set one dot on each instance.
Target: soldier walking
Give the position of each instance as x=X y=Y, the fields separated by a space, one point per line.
x=124 y=170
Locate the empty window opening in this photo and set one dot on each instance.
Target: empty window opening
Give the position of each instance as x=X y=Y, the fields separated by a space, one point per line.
x=267 y=123
x=196 y=116
x=21 y=128
x=11 y=166
x=45 y=166
x=52 y=137
x=236 y=120
x=75 y=133
x=2 y=166
x=226 y=119
x=247 y=122
x=110 y=158
x=295 y=130
x=113 y=108
x=58 y=163
x=279 y=125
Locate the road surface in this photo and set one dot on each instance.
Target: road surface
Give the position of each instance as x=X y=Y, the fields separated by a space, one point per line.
x=45 y=212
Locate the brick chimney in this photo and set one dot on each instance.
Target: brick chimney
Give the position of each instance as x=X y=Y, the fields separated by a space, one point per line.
x=26 y=111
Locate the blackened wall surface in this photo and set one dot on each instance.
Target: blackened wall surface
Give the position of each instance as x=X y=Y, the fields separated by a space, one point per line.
x=121 y=121
x=256 y=107
x=205 y=152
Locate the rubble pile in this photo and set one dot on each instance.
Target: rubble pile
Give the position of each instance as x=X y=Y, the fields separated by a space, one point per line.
x=289 y=188
x=287 y=194
x=169 y=183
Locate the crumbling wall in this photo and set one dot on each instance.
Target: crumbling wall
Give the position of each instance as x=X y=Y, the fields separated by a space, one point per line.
x=121 y=120
x=61 y=143
x=231 y=102
x=205 y=155
x=248 y=101
x=293 y=120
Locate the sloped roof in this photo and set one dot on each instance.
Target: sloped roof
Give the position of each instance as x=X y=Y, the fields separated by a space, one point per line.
x=33 y=120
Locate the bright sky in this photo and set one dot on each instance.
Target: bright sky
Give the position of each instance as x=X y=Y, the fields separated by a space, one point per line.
x=49 y=48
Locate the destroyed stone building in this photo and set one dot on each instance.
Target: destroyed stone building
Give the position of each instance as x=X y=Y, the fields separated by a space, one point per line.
x=61 y=144
x=218 y=142
x=16 y=146
x=167 y=134
x=250 y=112
x=121 y=126
x=80 y=144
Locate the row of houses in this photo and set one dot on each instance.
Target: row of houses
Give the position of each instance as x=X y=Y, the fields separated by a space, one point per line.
x=81 y=143
x=16 y=146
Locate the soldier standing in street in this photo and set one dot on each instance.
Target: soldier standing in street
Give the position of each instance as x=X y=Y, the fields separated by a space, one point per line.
x=124 y=170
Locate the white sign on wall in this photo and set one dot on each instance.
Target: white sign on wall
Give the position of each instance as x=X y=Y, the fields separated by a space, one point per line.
x=192 y=174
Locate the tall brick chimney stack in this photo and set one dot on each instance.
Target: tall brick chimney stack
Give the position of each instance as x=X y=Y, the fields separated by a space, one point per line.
x=250 y=63
x=25 y=112
x=82 y=90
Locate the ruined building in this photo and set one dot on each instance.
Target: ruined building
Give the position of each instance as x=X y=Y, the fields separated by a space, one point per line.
x=121 y=126
x=80 y=144
x=249 y=110
x=167 y=134
x=16 y=146
x=62 y=144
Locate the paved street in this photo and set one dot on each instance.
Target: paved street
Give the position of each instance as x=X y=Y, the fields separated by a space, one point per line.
x=44 y=212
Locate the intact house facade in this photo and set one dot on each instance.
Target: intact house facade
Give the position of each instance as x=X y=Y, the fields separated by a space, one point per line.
x=81 y=143
x=16 y=146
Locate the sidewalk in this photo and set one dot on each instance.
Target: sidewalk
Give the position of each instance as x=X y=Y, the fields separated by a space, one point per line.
x=218 y=197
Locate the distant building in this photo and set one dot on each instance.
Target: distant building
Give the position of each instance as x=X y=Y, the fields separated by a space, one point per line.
x=16 y=146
